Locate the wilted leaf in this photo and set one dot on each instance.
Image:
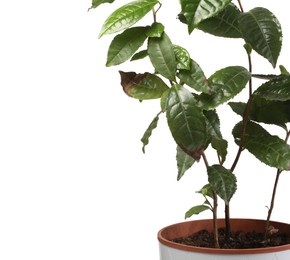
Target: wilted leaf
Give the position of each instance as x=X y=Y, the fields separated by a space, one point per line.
x=142 y=86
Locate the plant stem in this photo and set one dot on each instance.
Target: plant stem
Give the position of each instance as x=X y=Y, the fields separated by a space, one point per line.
x=227 y=221
x=214 y=210
x=241 y=7
x=279 y=171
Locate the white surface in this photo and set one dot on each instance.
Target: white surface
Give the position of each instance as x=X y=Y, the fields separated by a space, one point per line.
x=74 y=183
x=167 y=253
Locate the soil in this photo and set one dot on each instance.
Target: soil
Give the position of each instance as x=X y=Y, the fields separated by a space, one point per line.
x=238 y=240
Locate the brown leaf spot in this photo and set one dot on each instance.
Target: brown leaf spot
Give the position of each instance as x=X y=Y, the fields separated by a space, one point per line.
x=130 y=80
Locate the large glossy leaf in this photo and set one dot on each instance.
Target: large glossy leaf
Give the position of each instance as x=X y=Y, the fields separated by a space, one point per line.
x=196 y=11
x=224 y=84
x=126 y=16
x=275 y=89
x=96 y=3
x=225 y=24
x=162 y=56
x=186 y=121
x=182 y=57
x=222 y=181
x=269 y=149
x=262 y=30
x=194 y=77
x=142 y=86
x=148 y=132
x=184 y=162
x=196 y=210
x=125 y=45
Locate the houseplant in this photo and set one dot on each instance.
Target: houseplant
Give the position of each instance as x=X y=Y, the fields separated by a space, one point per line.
x=190 y=100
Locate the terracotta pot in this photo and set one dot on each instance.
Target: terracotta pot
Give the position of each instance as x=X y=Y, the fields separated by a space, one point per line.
x=174 y=251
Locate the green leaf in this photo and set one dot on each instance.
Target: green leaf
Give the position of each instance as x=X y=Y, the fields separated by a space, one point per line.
x=284 y=71
x=206 y=190
x=162 y=56
x=125 y=45
x=140 y=55
x=184 y=162
x=96 y=3
x=262 y=30
x=194 y=77
x=269 y=149
x=196 y=210
x=213 y=124
x=126 y=16
x=238 y=107
x=186 y=121
x=225 y=84
x=275 y=89
x=222 y=181
x=142 y=86
x=195 y=11
x=163 y=100
x=265 y=111
x=148 y=132
x=225 y=24
x=156 y=30
x=220 y=145
x=182 y=57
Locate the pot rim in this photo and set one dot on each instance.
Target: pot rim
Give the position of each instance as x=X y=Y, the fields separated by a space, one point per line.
x=164 y=233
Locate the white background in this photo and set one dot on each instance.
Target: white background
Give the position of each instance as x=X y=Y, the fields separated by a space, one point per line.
x=74 y=183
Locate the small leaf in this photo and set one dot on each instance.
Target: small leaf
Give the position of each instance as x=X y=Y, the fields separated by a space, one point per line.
x=196 y=11
x=186 y=121
x=196 y=210
x=156 y=30
x=162 y=56
x=96 y=3
x=194 y=77
x=262 y=30
x=142 y=86
x=284 y=71
x=225 y=24
x=225 y=84
x=269 y=149
x=140 y=55
x=206 y=190
x=182 y=57
x=238 y=107
x=266 y=77
x=184 y=162
x=220 y=145
x=163 y=100
x=125 y=45
x=148 y=132
x=222 y=181
x=276 y=89
x=126 y=16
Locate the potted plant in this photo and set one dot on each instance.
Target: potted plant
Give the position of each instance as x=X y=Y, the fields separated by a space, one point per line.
x=190 y=100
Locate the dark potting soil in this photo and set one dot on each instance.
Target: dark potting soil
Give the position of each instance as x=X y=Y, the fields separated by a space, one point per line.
x=238 y=240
